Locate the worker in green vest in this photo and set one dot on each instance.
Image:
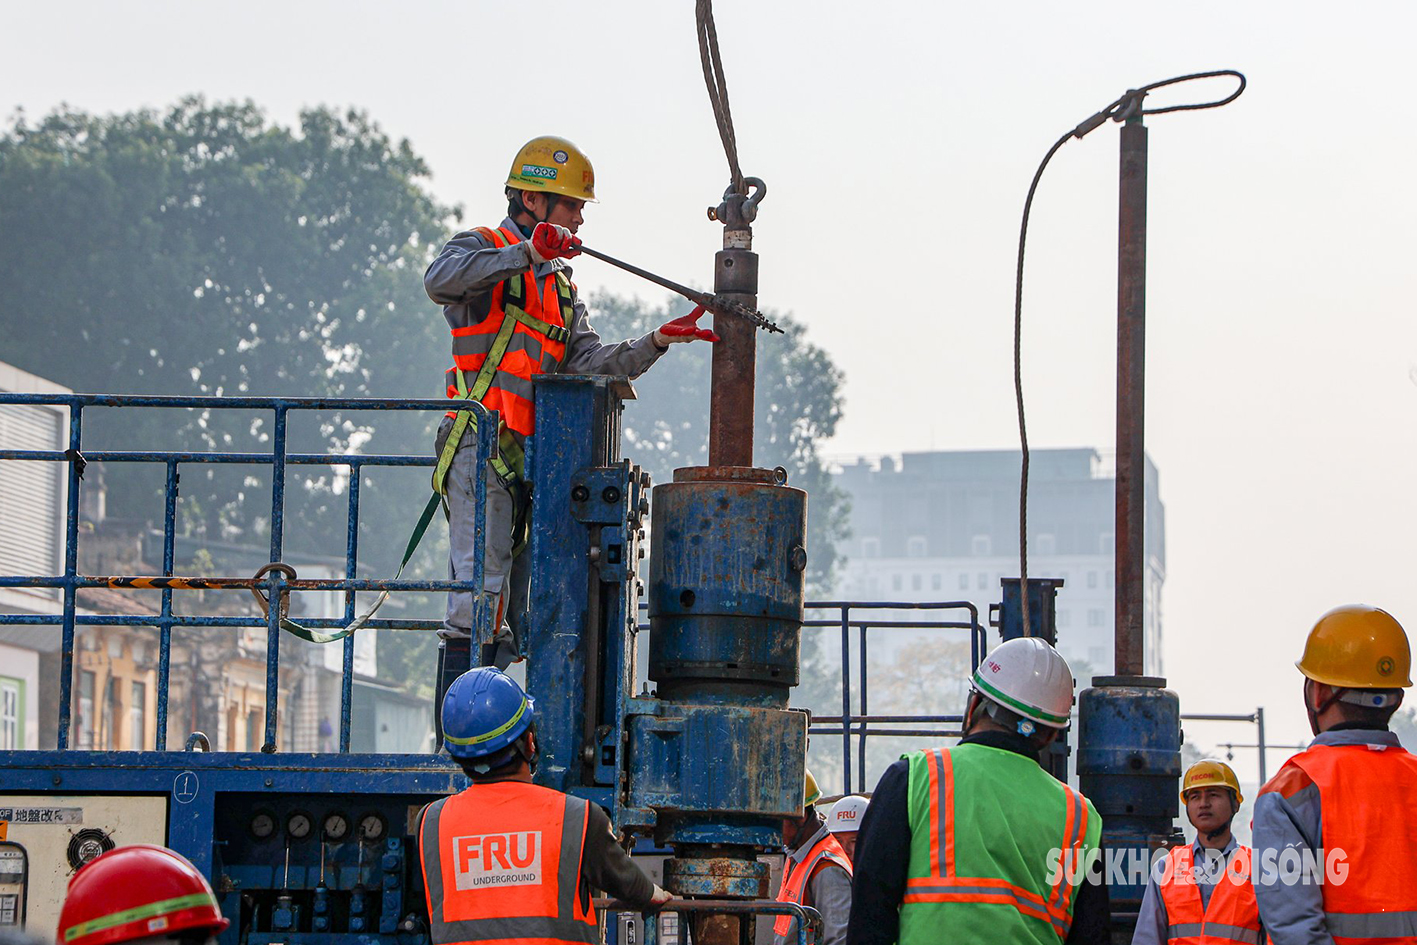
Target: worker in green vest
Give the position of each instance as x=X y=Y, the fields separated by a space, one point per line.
x=977 y=843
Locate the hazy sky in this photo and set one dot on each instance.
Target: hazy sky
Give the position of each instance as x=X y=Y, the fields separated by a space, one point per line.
x=897 y=141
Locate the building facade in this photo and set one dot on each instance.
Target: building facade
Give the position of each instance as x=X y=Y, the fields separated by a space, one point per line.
x=943 y=526
x=32 y=501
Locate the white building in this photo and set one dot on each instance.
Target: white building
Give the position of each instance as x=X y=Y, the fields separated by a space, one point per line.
x=944 y=526
x=32 y=503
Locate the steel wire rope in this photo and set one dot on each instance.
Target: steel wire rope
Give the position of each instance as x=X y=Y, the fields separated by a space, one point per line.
x=1128 y=106
x=718 y=90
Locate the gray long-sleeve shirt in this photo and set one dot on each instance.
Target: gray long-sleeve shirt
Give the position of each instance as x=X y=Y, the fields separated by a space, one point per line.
x=828 y=891
x=461 y=279
x=1152 y=921
x=1288 y=816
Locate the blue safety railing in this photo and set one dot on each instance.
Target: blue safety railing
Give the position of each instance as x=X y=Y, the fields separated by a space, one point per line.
x=862 y=617
x=846 y=724
x=275 y=584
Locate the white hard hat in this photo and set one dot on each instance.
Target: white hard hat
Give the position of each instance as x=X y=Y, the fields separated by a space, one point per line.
x=1029 y=678
x=847 y=813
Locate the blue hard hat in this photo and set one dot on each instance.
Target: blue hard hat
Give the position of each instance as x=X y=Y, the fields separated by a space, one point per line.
x=484 y=711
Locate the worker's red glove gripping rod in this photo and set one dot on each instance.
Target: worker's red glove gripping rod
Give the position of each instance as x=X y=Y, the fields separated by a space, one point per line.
x=686 y=328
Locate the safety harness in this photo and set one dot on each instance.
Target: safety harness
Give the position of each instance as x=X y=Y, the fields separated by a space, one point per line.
x=509 y=461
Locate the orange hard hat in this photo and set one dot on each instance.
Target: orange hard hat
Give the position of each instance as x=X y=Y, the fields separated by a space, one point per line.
x=1210 y=773
x=133 y=892
x=1358 y=647
x=555 y=166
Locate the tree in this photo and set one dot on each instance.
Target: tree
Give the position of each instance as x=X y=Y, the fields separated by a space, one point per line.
x=798 y=406
x=206 y=250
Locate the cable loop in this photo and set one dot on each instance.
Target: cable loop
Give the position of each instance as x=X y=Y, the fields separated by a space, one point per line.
x=1123 y=109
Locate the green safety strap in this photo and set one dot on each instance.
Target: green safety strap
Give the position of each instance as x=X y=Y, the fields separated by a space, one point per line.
x=556 y=333
x=114 y=919
x=318 y=636
x=505 y=471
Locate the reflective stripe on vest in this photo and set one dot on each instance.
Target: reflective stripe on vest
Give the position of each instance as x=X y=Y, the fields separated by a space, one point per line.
x=796 y=876
x=1232 y=914
x=958 y=878
x=502 y=862
x=1368 y=801
x=524 y=334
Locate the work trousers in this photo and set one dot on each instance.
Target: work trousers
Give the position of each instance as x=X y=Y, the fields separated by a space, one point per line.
x=505 y=580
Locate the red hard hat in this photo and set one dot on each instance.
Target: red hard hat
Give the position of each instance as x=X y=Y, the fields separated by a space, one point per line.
x=136 y=891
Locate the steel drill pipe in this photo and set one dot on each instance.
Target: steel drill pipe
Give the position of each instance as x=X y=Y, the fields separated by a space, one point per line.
x=1130 y=541
x=735 y=277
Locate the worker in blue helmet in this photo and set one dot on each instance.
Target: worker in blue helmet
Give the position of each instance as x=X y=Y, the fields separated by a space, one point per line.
x=507 y=858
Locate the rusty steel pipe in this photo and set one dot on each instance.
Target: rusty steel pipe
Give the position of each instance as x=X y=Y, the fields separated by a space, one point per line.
x=735 y=354
x=1130 y=542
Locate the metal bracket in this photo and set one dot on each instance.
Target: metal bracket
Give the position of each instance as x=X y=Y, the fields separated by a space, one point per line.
x=738 y=211
x=285 y=571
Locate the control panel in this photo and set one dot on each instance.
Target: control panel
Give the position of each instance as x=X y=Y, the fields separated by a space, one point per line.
x=295 y=869
x=47 y=837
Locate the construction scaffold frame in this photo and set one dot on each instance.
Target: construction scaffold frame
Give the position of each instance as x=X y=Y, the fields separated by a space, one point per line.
x=273 y=584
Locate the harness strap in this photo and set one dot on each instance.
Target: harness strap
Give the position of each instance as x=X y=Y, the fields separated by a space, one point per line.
x=317 y=636
x=507 y=471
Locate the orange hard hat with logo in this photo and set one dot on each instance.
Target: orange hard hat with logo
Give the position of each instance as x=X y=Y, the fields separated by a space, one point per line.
x=553 y=165
x=1358 y=647
x=1210 y=773
x=134 y=892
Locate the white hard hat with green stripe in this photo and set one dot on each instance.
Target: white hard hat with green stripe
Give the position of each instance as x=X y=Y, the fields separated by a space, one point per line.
x=1029 y=678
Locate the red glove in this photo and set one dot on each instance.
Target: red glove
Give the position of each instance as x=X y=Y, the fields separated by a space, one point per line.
x=683 y=329
x=549 y=241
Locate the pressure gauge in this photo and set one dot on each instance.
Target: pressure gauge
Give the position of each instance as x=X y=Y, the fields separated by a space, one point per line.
x=372 y=827
x=262 y=825
x=298 y=826
x=336 y=827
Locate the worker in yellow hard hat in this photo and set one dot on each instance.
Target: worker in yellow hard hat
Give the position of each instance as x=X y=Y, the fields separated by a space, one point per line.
x=1346 y=808
x=1203 y=894
x=514 y=313
x=816 y=872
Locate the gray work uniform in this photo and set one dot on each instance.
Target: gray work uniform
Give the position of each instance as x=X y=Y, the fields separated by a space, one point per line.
x=461 y=279
x=1293 y=912
x=828 y=891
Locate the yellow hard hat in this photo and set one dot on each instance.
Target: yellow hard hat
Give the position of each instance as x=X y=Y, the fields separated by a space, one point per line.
x=810 y=792
x=554 y=166
x=1210 y=774
x=1357 y=647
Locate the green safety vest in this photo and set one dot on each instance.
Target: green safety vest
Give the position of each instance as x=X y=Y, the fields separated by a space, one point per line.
x=997 y=849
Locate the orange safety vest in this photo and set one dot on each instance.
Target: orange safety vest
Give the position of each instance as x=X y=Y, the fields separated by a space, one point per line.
x=502 y=863
x=1368 y=801
x=796 y=875
x=1232 y=914
x=533 y=342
